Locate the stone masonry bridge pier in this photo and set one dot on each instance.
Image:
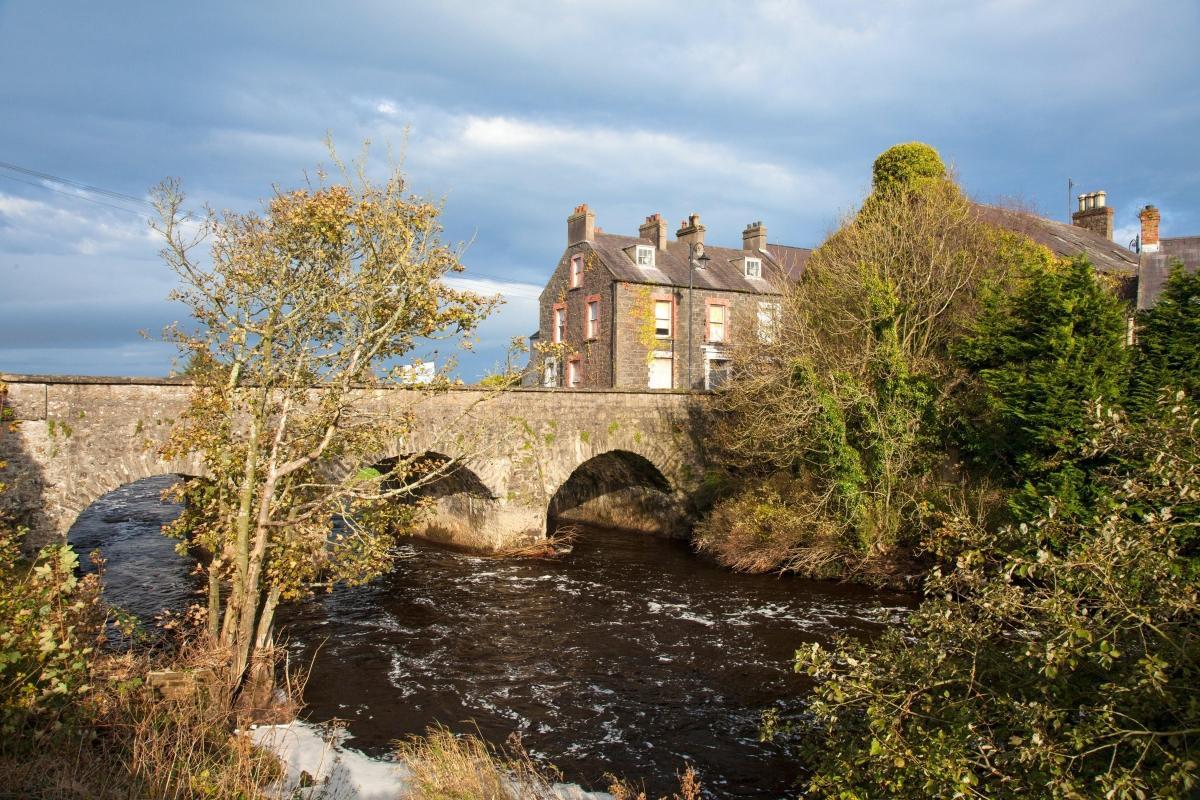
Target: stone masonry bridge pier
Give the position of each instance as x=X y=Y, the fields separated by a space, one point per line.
x=620 y=458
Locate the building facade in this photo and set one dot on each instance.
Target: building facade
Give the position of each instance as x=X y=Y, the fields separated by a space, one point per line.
x=647 y=311
x=1156 y=256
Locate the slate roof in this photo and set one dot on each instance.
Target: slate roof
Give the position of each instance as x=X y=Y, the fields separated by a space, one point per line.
x=723 y=272
x=793 y=260
x=1065 y=240
x=1155 y=267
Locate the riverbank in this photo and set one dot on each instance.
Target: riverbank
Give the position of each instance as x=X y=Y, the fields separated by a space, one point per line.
x=631 y=655
x=318 y=764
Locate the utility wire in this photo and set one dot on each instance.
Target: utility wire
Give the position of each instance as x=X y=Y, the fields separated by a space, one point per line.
x=33 y=173
x=76 y=196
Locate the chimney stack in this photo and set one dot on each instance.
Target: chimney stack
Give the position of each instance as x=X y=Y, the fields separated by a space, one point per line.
x=581 y=225
x=690 y=230
x=1149 y=238
x=754 y=238
x=655 y=229
x=1094 y=214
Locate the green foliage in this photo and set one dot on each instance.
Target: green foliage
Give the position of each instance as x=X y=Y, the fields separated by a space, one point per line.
x=1051 y=659
x=500 y=380
x=906 y=165
x=1168 y=341
x=1038 y=356
x=49 y=621
x=847 y=400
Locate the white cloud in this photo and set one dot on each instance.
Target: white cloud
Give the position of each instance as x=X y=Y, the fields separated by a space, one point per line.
x=71 y=226
x=509 y=290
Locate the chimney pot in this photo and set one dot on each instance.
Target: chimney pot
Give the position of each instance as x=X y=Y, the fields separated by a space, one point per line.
x=690 y=230
x=1149 y=218
x=581 y=225
x=754 y=237
x=655 y=229
x=1094 y=214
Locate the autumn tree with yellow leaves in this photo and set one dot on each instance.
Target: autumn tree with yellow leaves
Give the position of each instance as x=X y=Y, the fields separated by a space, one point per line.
x=300 y=314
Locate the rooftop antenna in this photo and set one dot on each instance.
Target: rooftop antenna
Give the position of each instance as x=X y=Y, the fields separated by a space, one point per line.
x=1070 y=199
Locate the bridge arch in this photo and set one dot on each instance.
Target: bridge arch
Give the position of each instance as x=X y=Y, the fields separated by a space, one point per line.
x=95 y=484
x=144 y=572
x=619 y=489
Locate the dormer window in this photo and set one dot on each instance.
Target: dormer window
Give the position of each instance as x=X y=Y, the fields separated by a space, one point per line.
x=644 y=256
x=753 y=267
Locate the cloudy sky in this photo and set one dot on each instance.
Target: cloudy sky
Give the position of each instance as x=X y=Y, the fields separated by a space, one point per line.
x=516 y=112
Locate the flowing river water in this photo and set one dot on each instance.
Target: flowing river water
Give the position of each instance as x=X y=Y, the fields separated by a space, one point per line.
x=629 y=656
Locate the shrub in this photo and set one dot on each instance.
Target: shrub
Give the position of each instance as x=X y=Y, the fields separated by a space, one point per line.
x=49 y=623
x=907 y=164
x=1051 y=659
x=847 y=399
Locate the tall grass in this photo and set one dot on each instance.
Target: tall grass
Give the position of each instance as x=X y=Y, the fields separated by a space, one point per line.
x=132 y=742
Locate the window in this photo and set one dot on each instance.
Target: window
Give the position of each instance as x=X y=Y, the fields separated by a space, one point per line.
x=593 y=316
x=753 y=267
x=560 y=323
x=576 y=271
x=718 y=321
x=660 y=371
x=645 y=256
x=574 y=372
x=768 y=322
x=549 y=372
x=662 y=318
x=716 y=373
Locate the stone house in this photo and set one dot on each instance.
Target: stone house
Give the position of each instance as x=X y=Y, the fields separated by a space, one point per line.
x=1156 y=255
x=1146 y=261
x=647 y=311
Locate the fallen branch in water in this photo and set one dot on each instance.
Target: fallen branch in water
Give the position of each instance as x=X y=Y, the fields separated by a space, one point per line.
x=556 y=544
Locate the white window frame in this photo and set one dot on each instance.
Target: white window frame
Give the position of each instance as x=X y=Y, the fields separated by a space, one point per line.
x=559 y=325
x=576 y=271
x=670 y=319
x=643 y=256
x=708 y=323
x=756 y=272
x=656 y=357
x=709 y=360
x=768 y=321
x=574 y=372
x=593 y=319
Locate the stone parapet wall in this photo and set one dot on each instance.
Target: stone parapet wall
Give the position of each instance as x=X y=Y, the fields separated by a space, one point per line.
x=77 y=438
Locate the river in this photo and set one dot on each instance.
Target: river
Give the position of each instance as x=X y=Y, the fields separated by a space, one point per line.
x=629 y=656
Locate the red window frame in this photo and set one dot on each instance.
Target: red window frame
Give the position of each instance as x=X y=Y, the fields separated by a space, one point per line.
x=708 y=304
x=558 y=332
x=655 y=300
x=576 y=270
x=592 y=302
x=574 y=371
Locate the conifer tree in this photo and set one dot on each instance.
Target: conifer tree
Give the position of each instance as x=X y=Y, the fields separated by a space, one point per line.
x=1168 y=346
x=1040 y=355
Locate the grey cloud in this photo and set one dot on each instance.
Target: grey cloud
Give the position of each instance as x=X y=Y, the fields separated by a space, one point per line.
x=235 y=97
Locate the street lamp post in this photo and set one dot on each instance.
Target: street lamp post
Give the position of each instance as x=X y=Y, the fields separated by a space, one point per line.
x=696 y=260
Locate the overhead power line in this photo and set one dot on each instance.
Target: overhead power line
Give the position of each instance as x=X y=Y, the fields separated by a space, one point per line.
x=75 y=184
x=77 y=196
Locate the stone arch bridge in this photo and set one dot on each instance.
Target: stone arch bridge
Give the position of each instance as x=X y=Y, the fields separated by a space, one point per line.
x=620 y=458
